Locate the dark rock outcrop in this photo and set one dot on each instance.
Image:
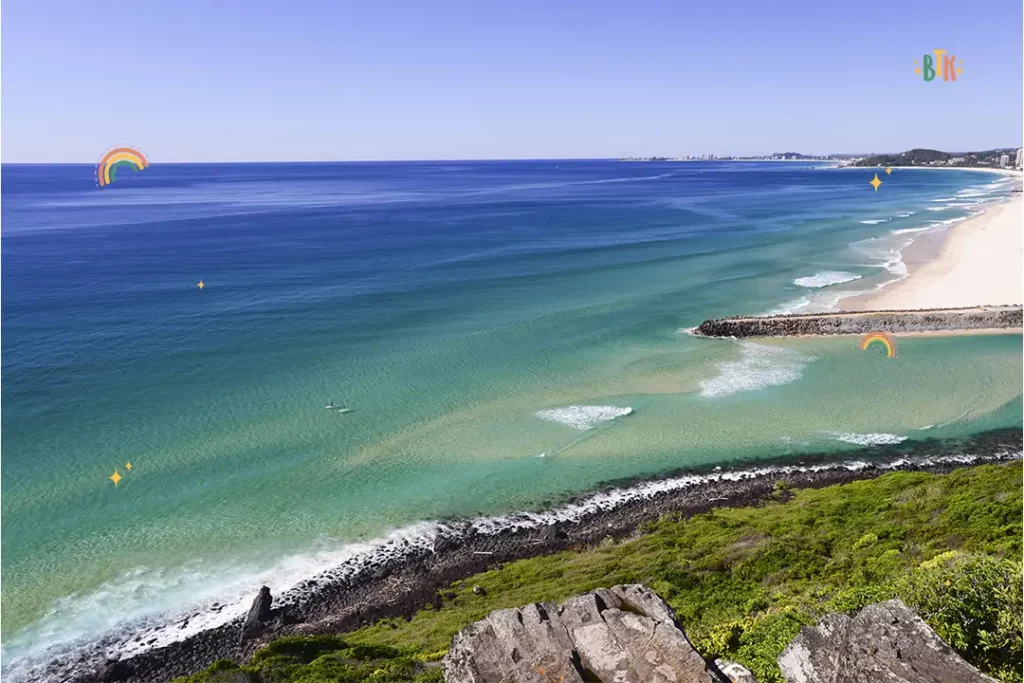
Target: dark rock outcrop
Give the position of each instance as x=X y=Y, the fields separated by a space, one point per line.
x=115 y=670
x=885 y=642
x=893 y=322
x=258 y=614
x=618 y=635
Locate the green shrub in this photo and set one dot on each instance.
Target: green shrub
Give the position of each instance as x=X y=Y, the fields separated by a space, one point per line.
x=865 y=540
x=974 y=603
x=743 y=580
x=297 y=649
x=221 y=671
x=765 y=638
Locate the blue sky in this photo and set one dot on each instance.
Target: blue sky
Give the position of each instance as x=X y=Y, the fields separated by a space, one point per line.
x=302 y=80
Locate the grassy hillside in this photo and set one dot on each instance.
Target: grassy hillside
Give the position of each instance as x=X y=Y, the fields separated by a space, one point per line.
x=742 y=580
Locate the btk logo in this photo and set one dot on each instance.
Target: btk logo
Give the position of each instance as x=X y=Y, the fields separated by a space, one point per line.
x=942 y=65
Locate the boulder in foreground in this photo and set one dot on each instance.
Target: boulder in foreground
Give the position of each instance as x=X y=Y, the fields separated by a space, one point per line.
x=617 y=635
x=886 y=641
x=258 y=615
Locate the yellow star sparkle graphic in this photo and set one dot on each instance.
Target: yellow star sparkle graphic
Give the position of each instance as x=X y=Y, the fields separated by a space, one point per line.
x=888 y=171
x=115 y=477
x=876 y=182
x=128 y=466
x=201 y=285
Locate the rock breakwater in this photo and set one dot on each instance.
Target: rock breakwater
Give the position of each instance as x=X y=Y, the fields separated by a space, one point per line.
x=862 y=322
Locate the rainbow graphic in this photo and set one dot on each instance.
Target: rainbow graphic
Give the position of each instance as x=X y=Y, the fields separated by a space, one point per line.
x=106 y=170
x=881 y=338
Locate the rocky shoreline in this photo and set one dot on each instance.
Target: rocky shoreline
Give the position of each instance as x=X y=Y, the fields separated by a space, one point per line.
x=862 y=322
x=408 y=574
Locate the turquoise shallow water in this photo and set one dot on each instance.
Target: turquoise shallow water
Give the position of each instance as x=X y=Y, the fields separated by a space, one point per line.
x=485 y=321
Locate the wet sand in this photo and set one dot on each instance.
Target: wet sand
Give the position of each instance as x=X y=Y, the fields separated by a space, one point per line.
x=979 y=262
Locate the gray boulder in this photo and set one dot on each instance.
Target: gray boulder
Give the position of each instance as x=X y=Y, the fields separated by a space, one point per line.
x=884 y=643
x=736 y=673
x=625 y=634
x=258 y=614
x=115 y=670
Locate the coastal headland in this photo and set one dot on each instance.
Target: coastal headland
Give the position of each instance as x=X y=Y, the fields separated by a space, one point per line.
x=975 y=319
x=403 y=577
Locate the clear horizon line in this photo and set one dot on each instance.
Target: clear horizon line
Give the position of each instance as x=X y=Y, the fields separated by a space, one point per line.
x=765 y=157
x=480 y=159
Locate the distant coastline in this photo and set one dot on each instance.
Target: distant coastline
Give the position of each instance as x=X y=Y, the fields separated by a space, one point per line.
x=999 y=159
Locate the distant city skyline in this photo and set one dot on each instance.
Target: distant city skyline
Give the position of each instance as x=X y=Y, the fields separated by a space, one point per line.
x=321 y=81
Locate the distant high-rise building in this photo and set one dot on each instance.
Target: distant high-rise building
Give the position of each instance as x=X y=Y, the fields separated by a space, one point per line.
x=1004 y=160
x=1020 y=158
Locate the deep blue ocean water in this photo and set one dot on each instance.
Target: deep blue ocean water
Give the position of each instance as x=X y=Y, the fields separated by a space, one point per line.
x=490 y=324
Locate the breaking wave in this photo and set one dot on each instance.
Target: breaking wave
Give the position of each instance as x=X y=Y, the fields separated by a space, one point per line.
x=583 y=417
x=868 y=439
x=826 y=278
x=758 y=367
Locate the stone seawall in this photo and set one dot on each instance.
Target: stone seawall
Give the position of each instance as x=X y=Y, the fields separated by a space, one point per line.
x=861 y=322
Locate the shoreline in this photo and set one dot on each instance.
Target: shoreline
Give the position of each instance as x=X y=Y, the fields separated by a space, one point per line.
x=403 y=575
x=976 y=262
x=981 y=169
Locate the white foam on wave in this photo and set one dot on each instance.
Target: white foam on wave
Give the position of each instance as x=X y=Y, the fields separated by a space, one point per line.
x=939 y=208
x=969 y=192
x=154 y=603
x=950 y=221
x=867 y=439
x=886 y=252
x=876 y=221
x=932 y=226
x=583 y=417
x=759 y=367
x=820 y=302
x=908 y=214
x=800 y=305
x=826 y=278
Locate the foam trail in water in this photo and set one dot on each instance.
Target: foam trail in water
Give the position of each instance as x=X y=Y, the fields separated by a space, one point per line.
x=826 y=278
x=867 y=439
x=758 y=367
x=583 y=417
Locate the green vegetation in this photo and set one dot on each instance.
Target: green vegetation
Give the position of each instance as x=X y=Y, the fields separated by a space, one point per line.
x=933 y=157
x=317 y=659
x=743 y=580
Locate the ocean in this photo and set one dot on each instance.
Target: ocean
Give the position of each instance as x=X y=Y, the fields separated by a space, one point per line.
x=504 y=335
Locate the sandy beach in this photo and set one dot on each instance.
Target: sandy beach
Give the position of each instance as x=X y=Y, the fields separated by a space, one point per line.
x=979 y=262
